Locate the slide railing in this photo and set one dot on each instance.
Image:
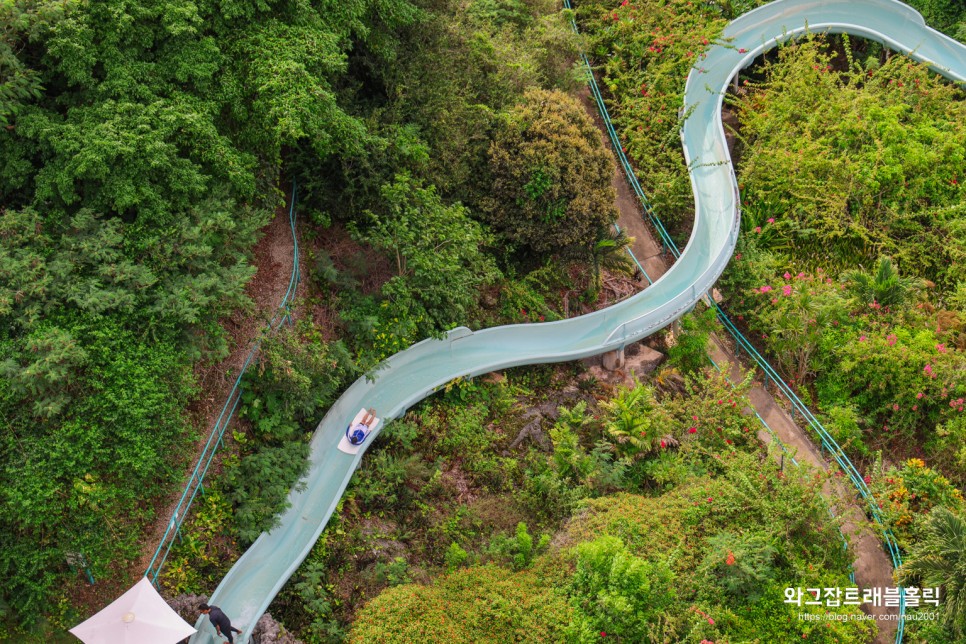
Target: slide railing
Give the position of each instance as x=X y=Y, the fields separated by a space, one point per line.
x=196 y=480
x=411 y=375
x=827 y=443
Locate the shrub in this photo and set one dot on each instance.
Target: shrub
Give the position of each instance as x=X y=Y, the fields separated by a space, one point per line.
x=260 y=484
x=520 y=549
x=635 y=422
x=297 y=374
x=486 y=605
x=551 y=176
x=689 y=353
x=455 y=557
x=907 y=494
x=739 y=565
x=617 y=593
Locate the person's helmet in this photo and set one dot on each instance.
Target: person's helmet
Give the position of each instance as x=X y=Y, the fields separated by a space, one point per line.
x=357 y=436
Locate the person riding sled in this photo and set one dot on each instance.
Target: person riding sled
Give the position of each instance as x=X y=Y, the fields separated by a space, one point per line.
x=359 y=431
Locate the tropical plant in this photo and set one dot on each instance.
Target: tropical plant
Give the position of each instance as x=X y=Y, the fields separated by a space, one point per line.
x=609 y=253
x=885 y=288
x=940 y=560
x=635 y=422
x=519 y=549
x=591 y=472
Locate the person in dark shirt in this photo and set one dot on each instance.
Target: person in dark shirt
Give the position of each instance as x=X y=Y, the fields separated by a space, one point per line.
x=220 y=621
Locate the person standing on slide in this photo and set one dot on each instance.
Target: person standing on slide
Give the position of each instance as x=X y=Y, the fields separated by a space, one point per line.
x=220 y=621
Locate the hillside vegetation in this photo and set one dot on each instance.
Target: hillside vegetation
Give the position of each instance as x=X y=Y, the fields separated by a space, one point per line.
x=448 y=174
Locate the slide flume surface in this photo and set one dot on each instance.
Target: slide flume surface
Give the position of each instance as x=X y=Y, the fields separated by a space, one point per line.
x=409 y=376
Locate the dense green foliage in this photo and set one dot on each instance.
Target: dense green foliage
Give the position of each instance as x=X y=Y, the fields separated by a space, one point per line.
x=849 y=268
x=618 y=593
x=856 y=163
x=140 y=146
x=937 y=561
x=707 y=558
x=948 y=16
x=690 y=350
x=484 y=604
x=414 y=195
x=72 y=491
x=908 y=493
x=863 y=209
x=296 y=378
x=438 y=256
x=437 y=105
x=551 y=176
x=645 y=52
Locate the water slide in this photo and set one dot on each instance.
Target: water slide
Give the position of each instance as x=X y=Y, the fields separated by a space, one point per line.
x=411 y=375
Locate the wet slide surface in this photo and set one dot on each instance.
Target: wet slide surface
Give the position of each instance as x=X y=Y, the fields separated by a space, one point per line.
x=411 y=375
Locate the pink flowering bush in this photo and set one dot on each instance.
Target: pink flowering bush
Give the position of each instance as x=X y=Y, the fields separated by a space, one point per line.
x=902 y=386
x=796 y=322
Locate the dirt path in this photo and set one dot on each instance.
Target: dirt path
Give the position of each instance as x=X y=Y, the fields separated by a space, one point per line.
x=631 y=221
x=273 y=261
x=873 y=567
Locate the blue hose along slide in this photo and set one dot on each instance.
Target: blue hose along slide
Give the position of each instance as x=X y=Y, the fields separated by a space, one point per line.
x=411 y=375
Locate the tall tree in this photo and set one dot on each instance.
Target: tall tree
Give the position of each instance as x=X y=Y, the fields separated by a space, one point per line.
x=437 y=252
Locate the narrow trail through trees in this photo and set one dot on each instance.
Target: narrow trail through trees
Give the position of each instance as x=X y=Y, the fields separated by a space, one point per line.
x=272 y=258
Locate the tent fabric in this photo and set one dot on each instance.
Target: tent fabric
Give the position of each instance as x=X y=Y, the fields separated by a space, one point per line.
x=139 y=616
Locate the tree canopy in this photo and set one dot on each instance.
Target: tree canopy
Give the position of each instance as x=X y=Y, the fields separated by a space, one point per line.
x=140 y=146
x=551 y=175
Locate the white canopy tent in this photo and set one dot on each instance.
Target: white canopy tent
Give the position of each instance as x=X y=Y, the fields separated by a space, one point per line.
x=139 y=616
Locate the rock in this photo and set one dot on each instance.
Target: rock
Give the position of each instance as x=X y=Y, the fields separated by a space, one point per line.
x=597 y=372
x=494 y=377
x=268 y=631
x=187 y=606
x=534 y=432
x=645 y=361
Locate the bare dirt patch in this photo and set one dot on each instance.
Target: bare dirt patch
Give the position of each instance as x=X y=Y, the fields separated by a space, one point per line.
x=356 y=261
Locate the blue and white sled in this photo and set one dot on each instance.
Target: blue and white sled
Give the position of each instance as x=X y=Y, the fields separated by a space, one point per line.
x=348 y=447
